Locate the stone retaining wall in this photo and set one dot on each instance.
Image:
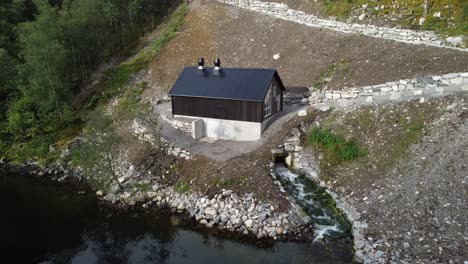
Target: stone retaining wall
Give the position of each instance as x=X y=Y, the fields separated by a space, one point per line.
x=282 y=11
x=177 y=124
x=392 y=91
x=295 y=99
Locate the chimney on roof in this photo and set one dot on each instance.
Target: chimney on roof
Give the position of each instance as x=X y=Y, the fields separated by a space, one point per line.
x=201 y=65
x=217 y=66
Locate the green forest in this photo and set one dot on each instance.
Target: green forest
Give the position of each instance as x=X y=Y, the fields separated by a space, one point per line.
x=48 y=49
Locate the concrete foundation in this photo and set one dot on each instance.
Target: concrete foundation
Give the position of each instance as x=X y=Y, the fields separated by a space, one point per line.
x=225 y=129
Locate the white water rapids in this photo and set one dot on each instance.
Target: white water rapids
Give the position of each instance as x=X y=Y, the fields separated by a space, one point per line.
x=307 y=194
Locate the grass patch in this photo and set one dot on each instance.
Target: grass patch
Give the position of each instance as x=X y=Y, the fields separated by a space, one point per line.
x=453 y=18
x=336 y=148
x=229 y=182
x=327 y=75
x=128 y=103
x=182 y=186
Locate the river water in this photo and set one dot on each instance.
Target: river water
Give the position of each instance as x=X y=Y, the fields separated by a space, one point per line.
x=327 y=222
x=46 y=222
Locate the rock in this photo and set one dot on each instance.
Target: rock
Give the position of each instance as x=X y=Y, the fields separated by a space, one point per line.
x=406 y=245
x=455 y=41
x=302 y=113
x=369 y=99
x=421 y=21
x=395 y=96
x=279 y=230
x=362 y=17
x=289 y=160
x=210 y=212
x=422 y=100
x=324 y=108
x=248 y=223
x=151 y=195
x=379 y=253
x=122 y=179
x=418 y=92
x=298 y=148
x=100 y=193
x=359 y=244
x=455 y=81
x=276 y=56
x=464 y=87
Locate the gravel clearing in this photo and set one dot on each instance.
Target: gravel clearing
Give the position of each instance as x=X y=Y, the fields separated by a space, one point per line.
x=415 y=206
x=421 y=206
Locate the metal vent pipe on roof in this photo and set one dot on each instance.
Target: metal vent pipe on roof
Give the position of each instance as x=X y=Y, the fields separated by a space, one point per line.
x=217 y=68
x=201 y=65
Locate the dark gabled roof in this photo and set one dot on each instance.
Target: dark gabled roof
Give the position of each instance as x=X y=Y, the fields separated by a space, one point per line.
x=244 y=84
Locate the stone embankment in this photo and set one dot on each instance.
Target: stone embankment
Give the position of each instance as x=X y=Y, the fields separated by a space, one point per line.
x=185 y=127
x=282 y=11
x=299 y=159
x=295 y=99
x=243 y=214
x=402 y=90
x=226 y=210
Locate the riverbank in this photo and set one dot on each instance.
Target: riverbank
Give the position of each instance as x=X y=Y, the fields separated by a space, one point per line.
x=228 y=211
x=51 y=222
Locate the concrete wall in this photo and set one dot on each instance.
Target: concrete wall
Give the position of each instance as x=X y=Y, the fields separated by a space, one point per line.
x=229 y=129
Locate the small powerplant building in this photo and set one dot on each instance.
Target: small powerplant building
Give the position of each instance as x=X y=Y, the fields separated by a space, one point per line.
x=229 y=103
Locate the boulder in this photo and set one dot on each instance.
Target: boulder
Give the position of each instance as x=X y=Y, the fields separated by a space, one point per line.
x=151 y=195
x=210 y=213
x=248 y=223
x=289 y=160
x=302 y=113
x=455 y=41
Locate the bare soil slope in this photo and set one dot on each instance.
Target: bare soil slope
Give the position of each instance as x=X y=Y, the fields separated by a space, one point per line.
x=244 y=38
x=411 y=188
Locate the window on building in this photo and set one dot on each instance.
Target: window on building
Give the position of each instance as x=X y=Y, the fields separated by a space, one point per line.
x=267 y=103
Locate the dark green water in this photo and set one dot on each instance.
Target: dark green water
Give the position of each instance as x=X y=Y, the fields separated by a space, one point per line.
x=45 y=222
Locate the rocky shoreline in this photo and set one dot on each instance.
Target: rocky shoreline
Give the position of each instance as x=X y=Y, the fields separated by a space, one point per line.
x=226 y=211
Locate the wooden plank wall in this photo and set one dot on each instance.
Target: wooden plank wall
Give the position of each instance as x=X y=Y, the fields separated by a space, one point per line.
x=218 y=108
